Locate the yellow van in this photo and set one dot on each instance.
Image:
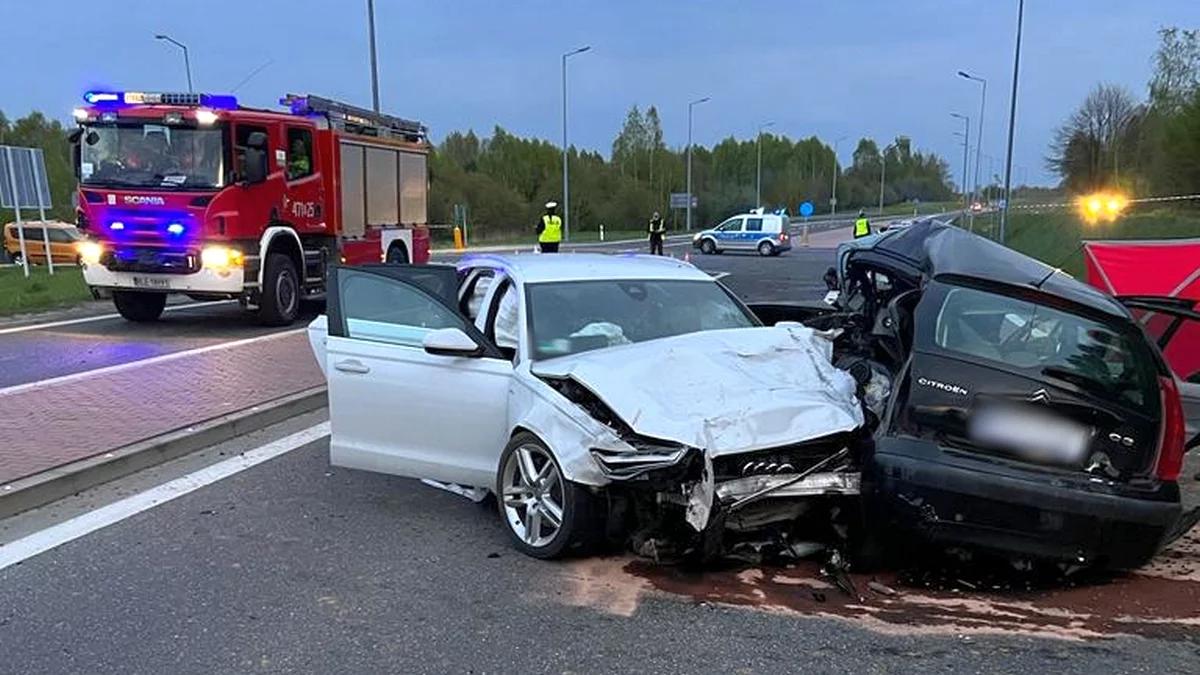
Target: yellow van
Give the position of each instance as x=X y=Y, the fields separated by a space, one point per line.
x=63 y=240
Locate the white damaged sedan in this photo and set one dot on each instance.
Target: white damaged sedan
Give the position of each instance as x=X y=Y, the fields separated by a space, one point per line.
x=598 y=397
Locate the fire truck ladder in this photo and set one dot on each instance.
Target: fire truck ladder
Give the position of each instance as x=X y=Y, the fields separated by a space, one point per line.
x=355 y=120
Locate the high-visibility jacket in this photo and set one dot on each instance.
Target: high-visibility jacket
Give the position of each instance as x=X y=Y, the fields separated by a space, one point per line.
x=551 y=230
x=658 y=226
x=861 y=228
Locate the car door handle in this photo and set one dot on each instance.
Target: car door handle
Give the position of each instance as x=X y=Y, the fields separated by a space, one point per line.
x=351 y=366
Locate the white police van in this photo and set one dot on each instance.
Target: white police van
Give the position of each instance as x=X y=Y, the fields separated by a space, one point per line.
x=766 y=233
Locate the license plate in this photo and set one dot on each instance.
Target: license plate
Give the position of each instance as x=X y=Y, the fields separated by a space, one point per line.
x=151 y=282
x=1037 y=437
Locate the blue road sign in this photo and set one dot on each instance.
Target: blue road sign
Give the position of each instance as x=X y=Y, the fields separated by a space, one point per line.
x=806 y=209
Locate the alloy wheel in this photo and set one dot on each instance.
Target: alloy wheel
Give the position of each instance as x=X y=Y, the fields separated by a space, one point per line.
x=533 y=495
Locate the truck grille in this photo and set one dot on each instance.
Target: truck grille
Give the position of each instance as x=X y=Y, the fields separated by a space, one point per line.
x=151 y=260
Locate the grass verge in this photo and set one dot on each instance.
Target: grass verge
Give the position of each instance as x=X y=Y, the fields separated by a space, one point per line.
x=1055 y=237
x=41 y=290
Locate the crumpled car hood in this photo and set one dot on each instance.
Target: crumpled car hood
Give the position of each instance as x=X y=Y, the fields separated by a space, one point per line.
x=724 y=391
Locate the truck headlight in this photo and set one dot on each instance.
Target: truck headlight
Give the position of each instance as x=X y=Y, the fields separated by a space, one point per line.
x=89 y=252
x=221 y=257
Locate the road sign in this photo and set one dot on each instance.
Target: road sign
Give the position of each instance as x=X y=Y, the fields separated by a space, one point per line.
x=23 y=170
x=679 y=200
x=806 y=209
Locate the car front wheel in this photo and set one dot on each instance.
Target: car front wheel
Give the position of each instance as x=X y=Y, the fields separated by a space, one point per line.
x=766 y=249
x=707 y=247
x=545 y=515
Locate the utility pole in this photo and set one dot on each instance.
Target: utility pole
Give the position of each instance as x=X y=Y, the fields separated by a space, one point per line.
x=882 y=175
x=1012 y=120
x=966 y=136
x=566 y=171
x=691 y=105
x=833 y=193
x=978 y=133
x=187 y=62
x=758 y=190
x=374 y=63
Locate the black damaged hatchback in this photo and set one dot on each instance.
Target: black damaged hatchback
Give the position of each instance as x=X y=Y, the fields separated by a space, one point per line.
x=1016 y=410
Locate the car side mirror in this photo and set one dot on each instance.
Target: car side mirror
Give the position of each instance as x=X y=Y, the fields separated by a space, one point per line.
x=451 y=342
x=831 y=279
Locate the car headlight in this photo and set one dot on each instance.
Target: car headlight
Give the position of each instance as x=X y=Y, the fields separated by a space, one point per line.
x=89 y=252
x=696 y=237
x=221 y=257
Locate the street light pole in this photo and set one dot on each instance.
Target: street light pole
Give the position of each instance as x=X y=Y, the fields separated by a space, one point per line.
x=833 y=193
x=758 y=190
x=566 y=171
x=882 y=175
x=374 y=63
x=187 y=62
x=978 y=133
x=1012 y=120
x=966 y=153
x=691 y=105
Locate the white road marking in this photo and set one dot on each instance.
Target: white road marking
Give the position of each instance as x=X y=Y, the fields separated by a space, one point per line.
x=105 y=317
x=721 y=275
x=107 y=370
x=79 y=526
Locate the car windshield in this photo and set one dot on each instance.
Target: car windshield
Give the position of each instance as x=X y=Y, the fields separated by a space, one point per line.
x=151 y=155
x=1049 y=342
x=571 y=317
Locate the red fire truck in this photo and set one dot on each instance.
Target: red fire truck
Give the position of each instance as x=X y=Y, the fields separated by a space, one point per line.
x=194 y=194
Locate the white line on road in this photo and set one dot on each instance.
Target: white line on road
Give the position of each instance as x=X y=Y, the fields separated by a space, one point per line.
x=104 y=317
x=721 y=275
x=57 y=535
x=107 y=370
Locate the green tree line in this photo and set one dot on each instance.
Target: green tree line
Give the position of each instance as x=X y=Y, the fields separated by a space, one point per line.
x=502 y=180
x=1147 y=147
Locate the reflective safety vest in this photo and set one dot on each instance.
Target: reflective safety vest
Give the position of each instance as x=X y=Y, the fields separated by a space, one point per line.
x=861 y=228
x=551 y=230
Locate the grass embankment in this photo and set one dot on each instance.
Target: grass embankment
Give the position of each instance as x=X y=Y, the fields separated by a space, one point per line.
x=1054 y=236
x=41 y=290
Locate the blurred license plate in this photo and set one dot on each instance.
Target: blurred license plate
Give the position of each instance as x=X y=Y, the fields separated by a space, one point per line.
x=1033 y=436
x=150 y=282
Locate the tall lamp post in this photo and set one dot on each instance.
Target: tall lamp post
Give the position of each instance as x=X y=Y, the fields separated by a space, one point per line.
x=758 y=190
x=833 y=192
x=566 y=173
x=1012 y=120
x=187 y=63
x=374 y=63
x=966 y=136
x=691 y=105
x=978 y=133
x=883 y=173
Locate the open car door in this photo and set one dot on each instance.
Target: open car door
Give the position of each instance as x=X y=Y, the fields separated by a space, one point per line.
x=414 y=388
x=1174 y=323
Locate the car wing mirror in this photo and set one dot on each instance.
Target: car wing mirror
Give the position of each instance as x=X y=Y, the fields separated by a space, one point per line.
x=451 y=342
x=831 y=279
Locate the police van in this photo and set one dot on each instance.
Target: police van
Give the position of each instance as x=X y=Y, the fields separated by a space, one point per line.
x=766 y=233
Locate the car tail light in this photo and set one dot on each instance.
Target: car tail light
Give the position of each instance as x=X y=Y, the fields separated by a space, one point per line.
x=1170 y=445
x=783 y=236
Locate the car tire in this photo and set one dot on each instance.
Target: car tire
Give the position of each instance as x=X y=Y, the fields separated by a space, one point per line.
x=766 y=249
x=707 y=246
x=397 y=255
x=139 y=307
x=528 y=507
x=280 y=302
x=16 y=258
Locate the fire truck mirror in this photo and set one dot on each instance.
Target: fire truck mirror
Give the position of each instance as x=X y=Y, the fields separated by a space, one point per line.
x=256 y=166
x=257 y=140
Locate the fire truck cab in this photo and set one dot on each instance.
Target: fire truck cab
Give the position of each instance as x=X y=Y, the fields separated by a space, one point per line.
x=194 y=194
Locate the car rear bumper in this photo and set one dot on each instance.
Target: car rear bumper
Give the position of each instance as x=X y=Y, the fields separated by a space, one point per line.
x=224 y=282
x=955 y=499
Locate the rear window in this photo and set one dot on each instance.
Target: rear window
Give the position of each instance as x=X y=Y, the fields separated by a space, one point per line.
x=1048 y=343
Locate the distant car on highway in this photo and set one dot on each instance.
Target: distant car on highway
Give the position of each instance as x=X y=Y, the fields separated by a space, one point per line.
x=766 y=233
x=64 y=238
x=1018 y=409
x=598 y=397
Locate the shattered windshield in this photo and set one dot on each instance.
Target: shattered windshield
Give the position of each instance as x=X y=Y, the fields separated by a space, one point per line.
x=151 y=155
x=572 y=317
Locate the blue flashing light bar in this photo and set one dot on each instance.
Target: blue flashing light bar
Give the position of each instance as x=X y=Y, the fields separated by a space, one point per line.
x=119 y=98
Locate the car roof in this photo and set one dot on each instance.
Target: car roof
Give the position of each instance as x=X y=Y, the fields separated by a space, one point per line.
x=538 y=268
x=940 y=249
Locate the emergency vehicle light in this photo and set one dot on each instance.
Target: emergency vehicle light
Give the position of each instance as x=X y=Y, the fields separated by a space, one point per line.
x=220 y=101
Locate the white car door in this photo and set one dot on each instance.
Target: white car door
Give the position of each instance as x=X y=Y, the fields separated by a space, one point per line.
x=396 y=408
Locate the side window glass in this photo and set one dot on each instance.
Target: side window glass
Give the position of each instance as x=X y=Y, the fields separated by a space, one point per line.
x=300 y=161
x=731 y=225
x=241 y=139
x=505 y=326
x=385 y=310
x=476 y=293
x=754 y=224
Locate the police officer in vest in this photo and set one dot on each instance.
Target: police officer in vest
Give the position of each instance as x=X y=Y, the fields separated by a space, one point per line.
x=862 y=226
x=658 y=231
x=549 y=229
